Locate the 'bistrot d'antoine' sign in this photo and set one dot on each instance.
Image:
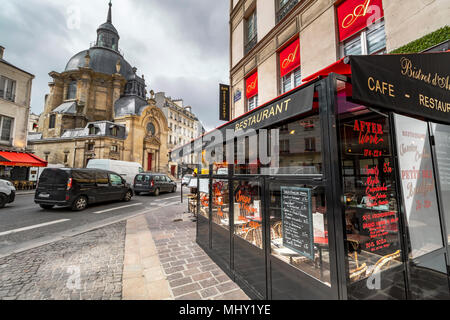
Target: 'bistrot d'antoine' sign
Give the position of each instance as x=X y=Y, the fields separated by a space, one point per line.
x=416 y=84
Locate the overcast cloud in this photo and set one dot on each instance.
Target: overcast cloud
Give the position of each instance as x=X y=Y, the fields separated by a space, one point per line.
x=181 y=46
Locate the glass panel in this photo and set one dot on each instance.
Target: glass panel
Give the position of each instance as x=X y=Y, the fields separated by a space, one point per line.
x=376 y=38
x=353 y=47
x=220 y=203
x=418 y=185
x=442 y=140
x=286 y=83
x=204 y=197
x=300 y=148
x=251 y=26
x=252 y=102
x=247 y=211
x=115 y=180
x=290 y=241
x=297 y=77
x=373 y=248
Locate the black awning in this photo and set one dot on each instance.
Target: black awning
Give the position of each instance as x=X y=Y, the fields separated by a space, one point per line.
x=416 y=84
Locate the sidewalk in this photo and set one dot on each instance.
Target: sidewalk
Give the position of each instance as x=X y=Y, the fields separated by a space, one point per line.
x=151 y=256
x=162 y=261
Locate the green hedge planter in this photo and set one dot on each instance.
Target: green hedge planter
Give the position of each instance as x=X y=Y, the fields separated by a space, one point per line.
x=426 y=42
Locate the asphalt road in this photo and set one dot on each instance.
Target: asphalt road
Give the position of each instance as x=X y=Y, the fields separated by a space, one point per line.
x=25 y=225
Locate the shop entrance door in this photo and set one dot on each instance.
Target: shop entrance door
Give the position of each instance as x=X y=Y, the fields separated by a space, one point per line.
x=422 y=184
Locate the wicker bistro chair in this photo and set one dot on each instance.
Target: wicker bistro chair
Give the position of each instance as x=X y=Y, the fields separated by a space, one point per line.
x=359 y=272
x=383 y=263
x=254 y=236
x=276 y=231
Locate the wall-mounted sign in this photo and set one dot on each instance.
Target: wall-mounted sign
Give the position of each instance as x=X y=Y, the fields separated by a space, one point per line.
x=416 y=84
x=290 y=58
x=251 y=85
x=296 y=213
x=224 y=108
x=237 y=95
x=355 y=15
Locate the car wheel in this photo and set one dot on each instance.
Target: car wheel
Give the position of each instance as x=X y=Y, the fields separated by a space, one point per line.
x=156 y=192
x=46 y=206
x=174 y=189
x=79 y=204
x=3 y=200
x=128 y=196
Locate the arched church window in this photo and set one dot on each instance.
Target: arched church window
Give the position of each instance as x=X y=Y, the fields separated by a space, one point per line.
x=72 y=90
x=151 y=131
x=52 y=121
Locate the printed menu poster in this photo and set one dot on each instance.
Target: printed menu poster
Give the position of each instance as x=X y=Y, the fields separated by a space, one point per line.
x=297 y=220
x=418 y=185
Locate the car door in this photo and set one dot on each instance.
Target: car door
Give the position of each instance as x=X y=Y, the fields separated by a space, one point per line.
x=117 y=186
x=102 y=186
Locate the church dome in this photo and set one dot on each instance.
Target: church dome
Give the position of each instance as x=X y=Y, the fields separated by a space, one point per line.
x=102 y=60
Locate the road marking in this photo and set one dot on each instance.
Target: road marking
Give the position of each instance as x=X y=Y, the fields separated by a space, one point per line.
x=163 y=199
x=117 y=208
x=32 y=227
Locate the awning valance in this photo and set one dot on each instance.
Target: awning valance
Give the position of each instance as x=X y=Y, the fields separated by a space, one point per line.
x=20 y=159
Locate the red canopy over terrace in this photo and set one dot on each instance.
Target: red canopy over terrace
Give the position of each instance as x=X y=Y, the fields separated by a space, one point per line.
x=20 y=159
x=341 y=66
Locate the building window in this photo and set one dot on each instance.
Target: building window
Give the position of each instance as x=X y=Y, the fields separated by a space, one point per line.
x=371 y=40
x=252 y=36
x=51 y=123
x=72 y=90
x=310 y=144
x=291 y=80
x=284 y=7
x=114 y=148
x=114 y=131
x=7 y=89
x=90 y=147
x=5 y=128
x=252 y=102
x=66 y=157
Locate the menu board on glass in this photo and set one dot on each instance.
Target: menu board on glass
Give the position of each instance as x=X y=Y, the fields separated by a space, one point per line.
x=418 y=185
x=297 y=220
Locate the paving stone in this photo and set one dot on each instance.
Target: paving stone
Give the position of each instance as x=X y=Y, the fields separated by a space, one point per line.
x=186 y=289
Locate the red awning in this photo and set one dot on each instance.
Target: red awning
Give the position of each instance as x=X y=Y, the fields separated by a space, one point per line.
x=339 y=67
x=20 y=159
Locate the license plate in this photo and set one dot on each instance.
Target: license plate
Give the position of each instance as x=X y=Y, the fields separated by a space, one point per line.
x=44 y=195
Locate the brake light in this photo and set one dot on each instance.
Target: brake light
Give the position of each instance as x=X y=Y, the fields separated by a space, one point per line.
x=153 y=183
x=69 y=184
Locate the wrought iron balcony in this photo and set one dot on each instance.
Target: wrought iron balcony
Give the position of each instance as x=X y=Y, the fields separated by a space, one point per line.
x=250 y=44
x=284 y=10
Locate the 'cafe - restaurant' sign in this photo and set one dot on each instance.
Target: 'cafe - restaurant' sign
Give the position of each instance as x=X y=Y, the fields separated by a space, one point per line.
x=412 y=83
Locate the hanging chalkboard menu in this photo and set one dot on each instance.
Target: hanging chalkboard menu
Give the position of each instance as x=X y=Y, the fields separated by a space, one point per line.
x=297 y=220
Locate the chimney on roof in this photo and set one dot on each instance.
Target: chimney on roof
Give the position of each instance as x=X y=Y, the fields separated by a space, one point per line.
x=2 y=51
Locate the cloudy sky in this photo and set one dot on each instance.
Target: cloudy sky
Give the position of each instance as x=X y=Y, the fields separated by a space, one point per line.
x=181 y=46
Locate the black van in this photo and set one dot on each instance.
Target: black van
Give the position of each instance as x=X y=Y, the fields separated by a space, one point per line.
x=76 y=188
x=153 y=183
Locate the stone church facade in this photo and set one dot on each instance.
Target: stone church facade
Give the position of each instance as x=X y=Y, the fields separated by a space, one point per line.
x=98 y=108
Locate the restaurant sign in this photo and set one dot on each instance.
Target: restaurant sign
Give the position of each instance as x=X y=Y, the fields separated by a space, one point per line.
x=417 y=84
x=224 y=110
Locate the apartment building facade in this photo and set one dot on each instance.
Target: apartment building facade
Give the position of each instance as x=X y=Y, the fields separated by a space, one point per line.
x=183 y=124
x=274 y=44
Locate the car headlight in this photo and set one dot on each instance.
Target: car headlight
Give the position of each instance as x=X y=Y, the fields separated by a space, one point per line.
x=9 y=184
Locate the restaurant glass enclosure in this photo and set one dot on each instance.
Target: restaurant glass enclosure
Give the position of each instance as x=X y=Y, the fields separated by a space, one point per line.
x=357 y=206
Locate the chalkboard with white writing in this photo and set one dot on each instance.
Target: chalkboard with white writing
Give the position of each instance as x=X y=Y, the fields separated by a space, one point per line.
x=297 y=220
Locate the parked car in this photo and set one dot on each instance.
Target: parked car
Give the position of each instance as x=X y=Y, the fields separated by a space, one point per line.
x=185 y=180
x=7 y=192
x=126 y=169
x=77 y=188
x=153 y=183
